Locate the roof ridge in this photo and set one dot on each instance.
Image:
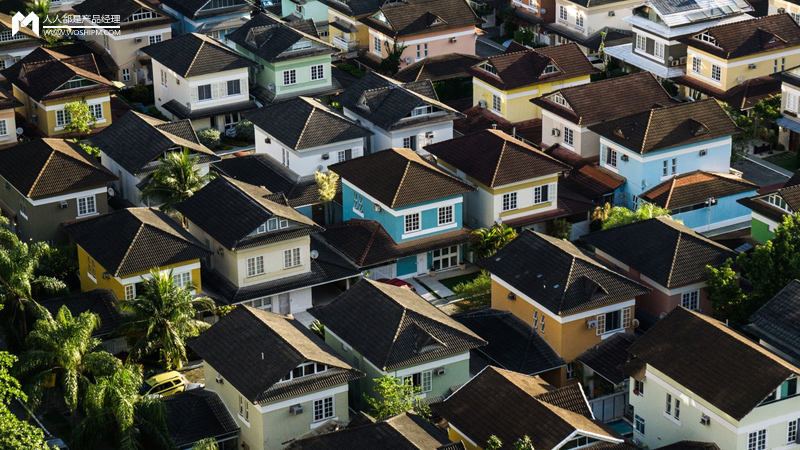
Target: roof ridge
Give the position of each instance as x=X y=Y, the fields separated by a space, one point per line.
x=371 y=241
x=566 y=283
x=671 y=189
x=133 y=241
x=499 y=161
x=402 y=180
x=421 y=69
x=396 y=334
x=674 y=258
x=44 y=166
x=305 y=125
x=194 y=58
x=647 y=129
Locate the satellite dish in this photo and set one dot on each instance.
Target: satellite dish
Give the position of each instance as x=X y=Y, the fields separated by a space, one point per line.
x=111 y=192
x=320 y=168
x=271 y=87
x=314 y=254
x=408 y=59
x=19 y=130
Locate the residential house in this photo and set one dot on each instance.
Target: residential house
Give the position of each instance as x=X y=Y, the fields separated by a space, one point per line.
x=507 y=81
x=769 y=206
x=605 y=385
x=516 y=184
x=691 y=445
x=8 y=120
x=102 y=302
x=17 y=46
x=267 y=257
x=511 y=405
x=277 y=378
x=567 y=113
x=407 y=115
x=115 y=251
x=402 y=215
x=306 y=136
x=132 y=146
x=425 y=27
x=202 y=80
x=789 y=134
x=403 y=336
x=590 y=24
x=669 y=258
x=292 y=59
x=346 y=30
x=448 y=66
x=785 y=6
x=49 y=181
x=305 y=10
x=199 y=414
x=689 y=137
x=659 y=29
x=572 y=300
x=46 y=81
x=672 y=400
x=775 y=323
x=140 y=24
x=723 y=57
x=213 y=18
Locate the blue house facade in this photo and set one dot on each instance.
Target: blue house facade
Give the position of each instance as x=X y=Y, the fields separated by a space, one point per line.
x=214 y=18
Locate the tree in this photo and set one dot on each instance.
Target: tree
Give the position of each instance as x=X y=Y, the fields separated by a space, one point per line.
x=620 y=215
x=14 y=433
x=81 y=120
x=726 y=296
x=42 y=10
x=210 y=137
x=396 y=397
x=206 y=444
x=559 y=228
x=494 y=443
x=115 y=411
x=162 y=317
x=523 y=443
x=245 y=131
x=326 y=187
x=524 y=36
x=476 y=293
x=485 y=242
x=391 y=64
x=176 y=179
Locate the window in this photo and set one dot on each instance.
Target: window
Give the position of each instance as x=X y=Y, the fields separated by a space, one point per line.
x=130 y=293
x=410 y=142
x=255 y=266
x=674 y=166
x=323 y=409
x=571 y=371
x=638 y=423
x=541 y=194
x=658 y=49
x=62 y=118
x=421 y=111
x=376 y=42
x=795 y=16
x=126 y=74
x=664 y=170
x=791 y=435
x=560 y=100
x=291 y=258
x=445 y=258
x=613 y=321
x=677 y=409
x=445 y=215
x=638 y=388
x=777 y=200
x=182 y=279
x=96 y=111
x=317 y=72
x=244 y=409
x=425 y=50
x=697 y=64
x=423 y=380
x=234 y=87
x=204 y=92
x=569 y=136
x=562 y=13
x=289 y=77
x=163 y=78
x=264 y=303
x=3 y=128
x=419 y=51
x=154 y=39
x=299 y=10
x=668 y=408
x=497 y=105
x=344 y=155
x=757 y=440
x=536 y=319
x=86 y=206
x=579 y=20
x=641 y=42
x=358 y=202
x=791 y=102
x=541 y=327
x=691 y=300
x=509 y=201
x=411 y=222
x=551 y=68
x=716 y=72
x=304 y=370
x=143 y=14
x=489 y=68
x=76 y=83
x=611 y=157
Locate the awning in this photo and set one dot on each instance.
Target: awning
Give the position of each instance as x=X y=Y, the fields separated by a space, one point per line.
x=344 y=26
x=789 y=123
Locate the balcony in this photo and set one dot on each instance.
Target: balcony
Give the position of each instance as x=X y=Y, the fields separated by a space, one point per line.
x=345 y=43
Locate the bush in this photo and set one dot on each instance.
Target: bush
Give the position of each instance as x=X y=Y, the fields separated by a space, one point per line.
x=142 y=94
x=209 y=137
x=152 y=111
x=245 y=131
x=352 y=70
x=560 y=228
x=476 y=293
x=61 y=263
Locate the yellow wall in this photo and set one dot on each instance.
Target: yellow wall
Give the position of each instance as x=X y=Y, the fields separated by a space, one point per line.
x=519 y=107
x=47 y=119
x=739 y=67
x=361 y=34
x=455 y=436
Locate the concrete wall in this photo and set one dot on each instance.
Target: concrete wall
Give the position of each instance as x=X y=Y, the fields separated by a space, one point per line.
x=313 y=9
x=383 y=139
x=44 y=114
x=594 y=18
x=585 y=142
x=272 y=73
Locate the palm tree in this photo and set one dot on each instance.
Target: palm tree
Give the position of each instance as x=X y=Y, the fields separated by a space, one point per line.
x=177 y=179
x=326 y=189
x=619 y=215
x=486 y=242
x=163 y=317
x=63 y=348
x=116 y=411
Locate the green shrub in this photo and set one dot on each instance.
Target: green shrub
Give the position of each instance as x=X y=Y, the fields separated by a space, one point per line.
x=152 y=111
x=352 y=70
x=245 y=131
x=142 y=94
x=209 y=137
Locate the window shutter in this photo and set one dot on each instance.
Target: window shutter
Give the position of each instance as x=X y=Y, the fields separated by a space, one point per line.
x=194 y=94
x=602 y=153
x=243 y=87
x=551 y=192
x=215 y=90
x=223 y=89
x=601 y=324
x=356 y=152
x=626 y=318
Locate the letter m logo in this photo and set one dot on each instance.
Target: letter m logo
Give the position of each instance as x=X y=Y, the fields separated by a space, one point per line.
x=20 y=20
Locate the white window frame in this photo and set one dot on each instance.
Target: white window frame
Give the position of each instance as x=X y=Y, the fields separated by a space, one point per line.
x=569 y=137
x=237 y=84
x=571 y=371
x=539 y=194
x=3 y=127
x=412 y=222
x=508 y=202
x=792 y=102
x=291 y=258
x=201 y=88
x=639 y=424
x=497 y=104
x=425 y=380
x=126 y=74
x=130 y=291
x=791 y=431
x=658 y=49
x=62 y=118
x=562 y=12
x=163 y=78
x=757 y=440
x=641 y=42
x=691 y=300
x=255 y=266
x=718 y=75
x=376 y=43
x=96 y=111
x=87 y=206
x=447 y=213
x=154 y=39
x=317 y=72
x=323 y=409
x=289 y=77
x=181 y=280
x=611 y=157
x=579 y=19
x=697 y=65
x=244 y=409
x=444 y=258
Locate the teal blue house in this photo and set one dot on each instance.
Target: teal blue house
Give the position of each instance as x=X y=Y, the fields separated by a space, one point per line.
x=214 y=18
x=402 y=215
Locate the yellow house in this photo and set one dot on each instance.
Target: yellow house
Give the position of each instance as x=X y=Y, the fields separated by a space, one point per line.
x=116 y=251
x=505 y=83
x=344 y=19
x=570 y=299
x=46 y=81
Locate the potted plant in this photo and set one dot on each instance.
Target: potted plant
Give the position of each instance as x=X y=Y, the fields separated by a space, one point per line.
x=462 y=265
x=431 y=271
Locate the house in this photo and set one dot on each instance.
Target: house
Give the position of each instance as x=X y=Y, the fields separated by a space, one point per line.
x=606 y=386
x=306 y=136
x=267 y=257
x=669 y=258
x=140 y=24
x=572 y=300
x=49 y=181
x=567 y=113
x=590 y=24
x=425 y=27
x=689 y=137
x=291 y=378
x=17 y=46
x=132 y=146
x=724 y=56
x=199 y=414
x=311 y=9
x=511 y=405
x=775 y=323
x=674 y=396
x=789 y=132
x=415 y=207
x=213 y=18
x=102 y=302
x=8 y=121
x=348 y=32
x=404 y=337
x=447 y=66
x=660 y=27
x=507 y=81
x=407 y=115
x=292 y=59
x=115 y=250
x=46 y=81
x=516 y=184
x=785 y=6
x=770 y=205
x=201 y=80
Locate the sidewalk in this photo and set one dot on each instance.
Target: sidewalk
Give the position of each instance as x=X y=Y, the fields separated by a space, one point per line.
x=431 y=289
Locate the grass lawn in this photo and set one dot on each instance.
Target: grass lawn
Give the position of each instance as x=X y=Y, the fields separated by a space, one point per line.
x=451 y=282
x=787 y=160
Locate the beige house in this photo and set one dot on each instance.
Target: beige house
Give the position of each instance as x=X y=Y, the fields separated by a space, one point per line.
x=8 y=122
x=15 y=47
x=583 y=21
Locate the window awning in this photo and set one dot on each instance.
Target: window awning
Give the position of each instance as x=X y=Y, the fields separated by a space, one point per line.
x=789 y=123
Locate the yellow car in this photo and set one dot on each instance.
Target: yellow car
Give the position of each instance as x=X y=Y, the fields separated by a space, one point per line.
x=164 y=384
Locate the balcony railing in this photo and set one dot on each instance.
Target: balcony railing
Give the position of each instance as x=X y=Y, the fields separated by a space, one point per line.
x=345 y=43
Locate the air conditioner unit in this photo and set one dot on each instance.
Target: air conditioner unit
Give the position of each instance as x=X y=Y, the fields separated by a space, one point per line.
x=624 y=157
x=555 y=132
x=482 y=103
x=751 y=66
x=675 y=63
x=635 y=323
x=441 y=372
x=781 y=10
x=326 y=156
x=511 y=296
x=682 y=60
x=453 y=40
x=611 y=14
x=63 y=205
x=137 y=40
x=429 y=135
x=703 y=152
x=591 y=324
x=705 y=420
x=296 y=410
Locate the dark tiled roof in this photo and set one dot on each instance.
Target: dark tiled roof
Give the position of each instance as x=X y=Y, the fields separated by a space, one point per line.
x=102 y=302
x=270 y=38
x=691 y=445
x=246 y=207
x=605 y=357
x=412 y=17
x=613 y=36
x=105 y=63
x=478 y=119
x=593 y=181
x=696 y=187
x=195 y=54
x=354 y=8
x=510 y=405
x=513 y=344
x=438 y=68
x=403 y=329
x=570 y=280
x=6 y=24
x=526 y=67
x=749 y=37
x=303 y=123
x=712 y=361
x=254 y=349
x=670 y=126
x=399 y=178
x=134 y=240
x=181 y=111
x=49 y=167
x=192 y=8
x=668 y=252
x=494 y=158
x=622 y=96
x=197 y=414
x=7 y=101
x=125 y=9
x=743 y=96
x=778 y=321
x=136 y=141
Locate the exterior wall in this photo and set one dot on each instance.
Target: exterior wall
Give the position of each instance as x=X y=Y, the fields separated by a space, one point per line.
x=726 y=212
x=307 y=161
x=595 y=18
x=383 y=139
x=12 y=55
x=10 y=137
x=515 y=103
x=45 y=113
x=123 y=49
x=359 y=38
x=784 y=134
x=762 y=229
x=313 y=9
x=272 y=73
x=425 y=45
x=734 y=71
x=585 y=142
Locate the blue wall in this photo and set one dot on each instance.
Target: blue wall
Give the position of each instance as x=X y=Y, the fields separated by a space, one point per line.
x=407 y=266
x=726 y=208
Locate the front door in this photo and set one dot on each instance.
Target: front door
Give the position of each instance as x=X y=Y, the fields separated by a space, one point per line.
x=794 y=142
x=283 y=304
x=422 y=264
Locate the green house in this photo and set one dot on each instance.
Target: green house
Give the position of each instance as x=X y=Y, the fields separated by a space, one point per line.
x=770 y=205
